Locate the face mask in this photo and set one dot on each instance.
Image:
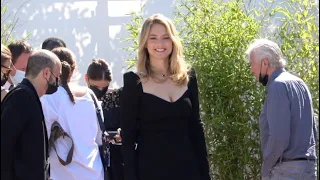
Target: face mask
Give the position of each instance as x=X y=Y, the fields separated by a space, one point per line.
x=263 y=79
x=99 y=93
x=4 y=79
x=52 y=88
x=16 y=79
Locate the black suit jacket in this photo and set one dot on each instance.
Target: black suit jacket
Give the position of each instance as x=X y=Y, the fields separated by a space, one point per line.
x=24 y=138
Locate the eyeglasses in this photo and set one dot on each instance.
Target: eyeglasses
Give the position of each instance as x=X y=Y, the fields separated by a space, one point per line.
x=7 y=69
x=57 y=78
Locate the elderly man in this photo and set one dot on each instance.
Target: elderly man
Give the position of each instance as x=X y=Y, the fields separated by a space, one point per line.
x=287 y=127
x=24 y=142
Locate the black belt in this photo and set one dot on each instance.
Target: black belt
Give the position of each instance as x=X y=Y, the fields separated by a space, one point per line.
x=296 y=159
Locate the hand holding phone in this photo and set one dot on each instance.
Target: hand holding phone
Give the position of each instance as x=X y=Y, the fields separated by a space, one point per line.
x=111 y=134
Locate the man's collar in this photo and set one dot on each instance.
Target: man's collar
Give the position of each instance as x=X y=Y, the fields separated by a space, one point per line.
x=274 y=75
x=27 y=82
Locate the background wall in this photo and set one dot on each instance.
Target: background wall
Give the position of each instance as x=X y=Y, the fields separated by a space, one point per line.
x=90 y=28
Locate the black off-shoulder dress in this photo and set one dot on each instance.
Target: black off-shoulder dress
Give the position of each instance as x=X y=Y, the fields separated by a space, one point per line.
x=169 y=135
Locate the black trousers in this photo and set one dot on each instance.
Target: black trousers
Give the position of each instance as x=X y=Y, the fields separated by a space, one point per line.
x=115 y=170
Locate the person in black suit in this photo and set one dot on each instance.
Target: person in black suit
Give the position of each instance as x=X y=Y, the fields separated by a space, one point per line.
x=24 y=141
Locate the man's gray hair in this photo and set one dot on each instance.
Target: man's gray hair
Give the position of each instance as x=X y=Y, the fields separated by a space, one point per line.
x=39 y=60
x=265 y=48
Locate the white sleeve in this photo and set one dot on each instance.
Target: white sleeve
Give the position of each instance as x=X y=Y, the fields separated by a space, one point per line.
x=50 y=111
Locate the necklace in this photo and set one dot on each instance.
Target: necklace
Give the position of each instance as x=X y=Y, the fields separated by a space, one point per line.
x=159 y=77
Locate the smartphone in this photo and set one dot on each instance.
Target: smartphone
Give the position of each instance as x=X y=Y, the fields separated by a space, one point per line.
x=112 y=133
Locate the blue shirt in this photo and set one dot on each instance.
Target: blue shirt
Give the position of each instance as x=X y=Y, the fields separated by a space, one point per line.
x=287 y=126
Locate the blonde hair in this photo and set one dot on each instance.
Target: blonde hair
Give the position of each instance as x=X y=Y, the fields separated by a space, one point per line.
x=5 y=54
x=177 y=66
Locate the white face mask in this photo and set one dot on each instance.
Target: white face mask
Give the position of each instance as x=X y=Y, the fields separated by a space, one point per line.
x=16 y=79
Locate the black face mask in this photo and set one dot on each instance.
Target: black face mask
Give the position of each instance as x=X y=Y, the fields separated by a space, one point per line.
x=52 y=88
x=263 y=79
x=4 y=79
x=99 y=93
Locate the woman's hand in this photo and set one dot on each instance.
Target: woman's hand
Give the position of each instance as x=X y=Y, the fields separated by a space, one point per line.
x=118 y=137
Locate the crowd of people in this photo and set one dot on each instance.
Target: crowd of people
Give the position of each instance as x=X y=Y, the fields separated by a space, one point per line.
x=149 y=129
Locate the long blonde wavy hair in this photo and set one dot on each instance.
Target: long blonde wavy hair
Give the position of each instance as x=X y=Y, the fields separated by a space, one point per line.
x=178 y=68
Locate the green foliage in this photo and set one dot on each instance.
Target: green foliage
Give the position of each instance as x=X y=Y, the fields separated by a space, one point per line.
x=134 y=29
x=9 y=21
x=215 y=36
x=6 y=28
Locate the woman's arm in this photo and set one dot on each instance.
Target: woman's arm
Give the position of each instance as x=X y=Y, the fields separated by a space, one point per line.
x=129 y=105
x=196 y=131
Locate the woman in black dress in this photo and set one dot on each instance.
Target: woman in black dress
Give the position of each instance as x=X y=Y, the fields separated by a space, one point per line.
x=98 y=78
x=162 y=134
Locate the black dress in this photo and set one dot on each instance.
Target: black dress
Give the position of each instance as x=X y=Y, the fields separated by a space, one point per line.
x=169 y=136
x=111 y=112
x=111 y=109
